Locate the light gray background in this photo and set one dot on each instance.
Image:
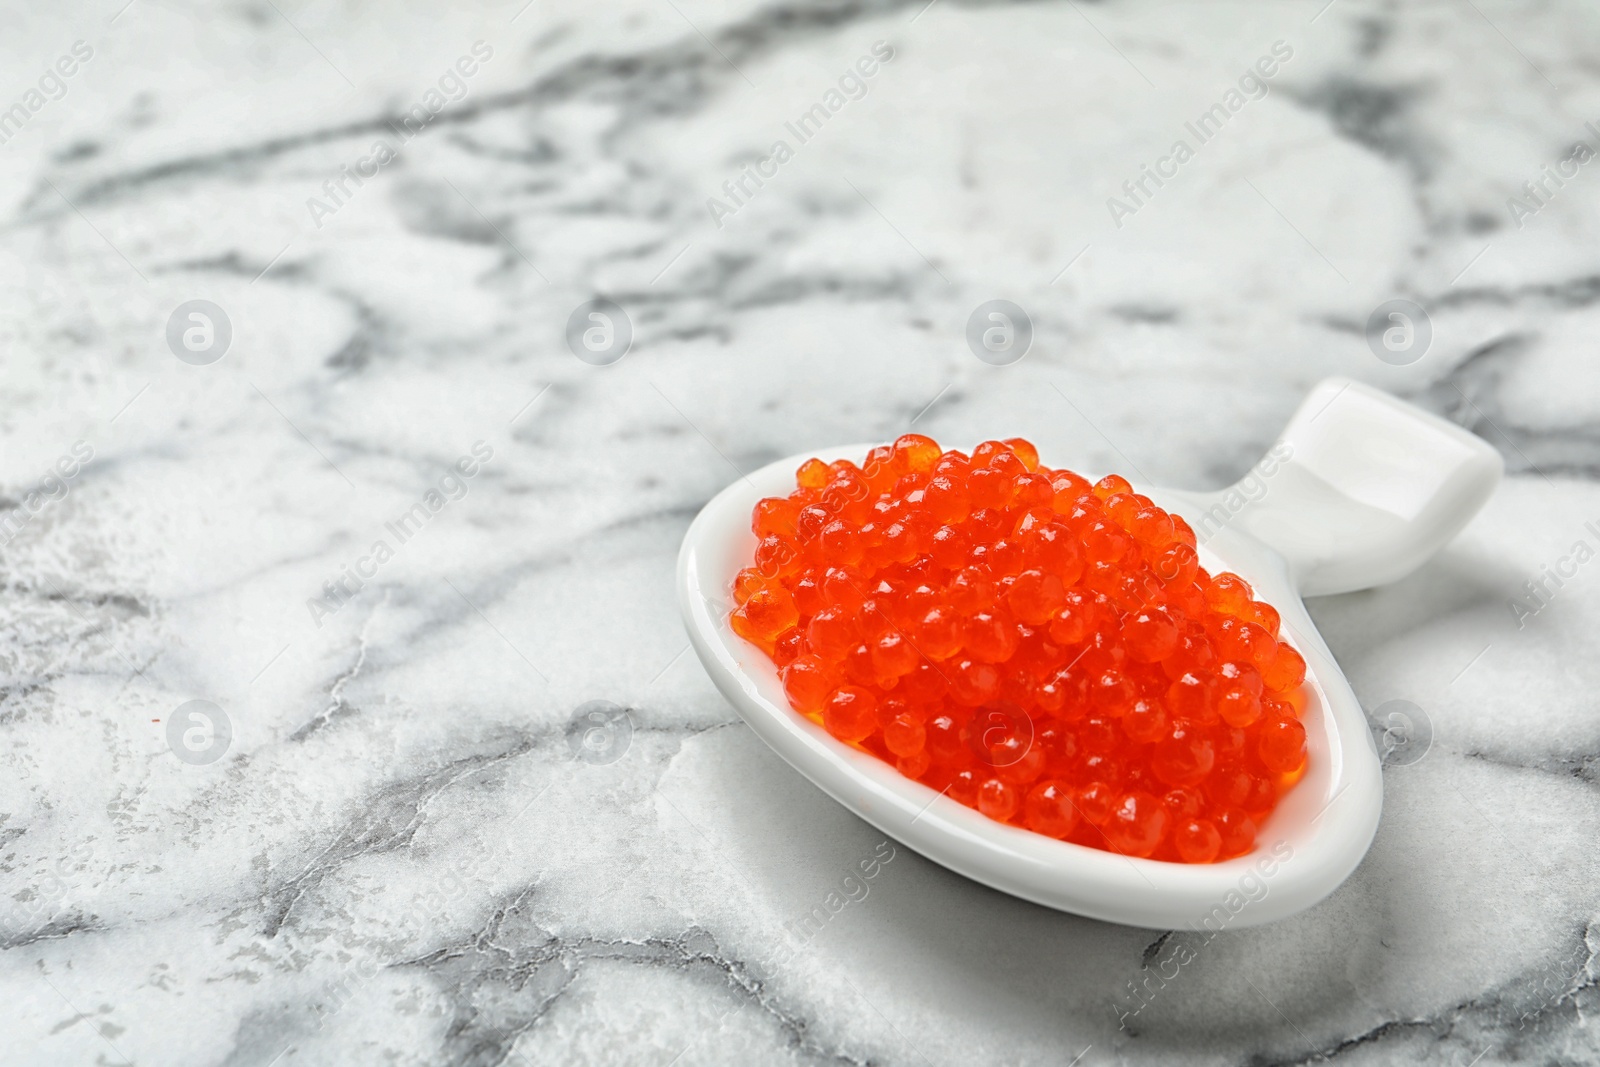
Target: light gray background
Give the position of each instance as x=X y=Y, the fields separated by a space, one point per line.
x=398 y=859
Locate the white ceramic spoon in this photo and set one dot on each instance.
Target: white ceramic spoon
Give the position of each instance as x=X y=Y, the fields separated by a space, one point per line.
x=1363 y=489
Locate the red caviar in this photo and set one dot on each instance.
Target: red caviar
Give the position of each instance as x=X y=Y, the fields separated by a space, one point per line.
x=1047 y=651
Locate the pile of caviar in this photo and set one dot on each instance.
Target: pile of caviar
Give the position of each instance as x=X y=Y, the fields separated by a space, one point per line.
x=1044 y=650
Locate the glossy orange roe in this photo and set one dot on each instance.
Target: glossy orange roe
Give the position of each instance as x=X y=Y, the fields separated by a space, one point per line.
x=1048 y=652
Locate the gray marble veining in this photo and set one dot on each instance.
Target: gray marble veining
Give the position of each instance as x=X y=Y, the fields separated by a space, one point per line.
x=388 y=839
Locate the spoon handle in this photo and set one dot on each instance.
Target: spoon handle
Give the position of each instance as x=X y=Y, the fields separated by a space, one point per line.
x=1359 y=490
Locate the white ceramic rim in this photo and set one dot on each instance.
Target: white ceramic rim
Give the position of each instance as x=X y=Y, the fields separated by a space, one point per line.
x=1309 y=845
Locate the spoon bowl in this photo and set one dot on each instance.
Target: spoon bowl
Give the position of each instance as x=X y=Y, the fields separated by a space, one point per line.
x=1360 y=489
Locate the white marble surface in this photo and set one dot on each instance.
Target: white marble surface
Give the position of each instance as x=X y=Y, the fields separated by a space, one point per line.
x=397 y=858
